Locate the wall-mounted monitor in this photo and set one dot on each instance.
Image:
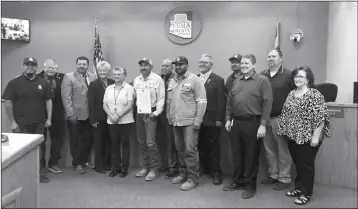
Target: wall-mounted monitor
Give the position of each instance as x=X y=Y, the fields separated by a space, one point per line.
x=15 y=29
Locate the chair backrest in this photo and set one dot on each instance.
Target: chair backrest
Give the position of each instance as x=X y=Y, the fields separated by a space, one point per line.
x=328 y=90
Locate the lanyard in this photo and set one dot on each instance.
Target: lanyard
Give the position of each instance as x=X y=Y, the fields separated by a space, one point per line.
x=116 y=97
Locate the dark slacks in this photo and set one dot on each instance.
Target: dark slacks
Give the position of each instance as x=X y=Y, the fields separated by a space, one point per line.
x=209 y=150
x=101 y=145
x=186 y=142
x=57 y=135
x=81 y=140
x=303 y=156
x=166 y=144
x=247 y=146
x=120 y=145
x=36 y=128
x=146 y=131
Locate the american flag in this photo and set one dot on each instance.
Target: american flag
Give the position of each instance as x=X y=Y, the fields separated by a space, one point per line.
x=98 y=54
x=277 y=37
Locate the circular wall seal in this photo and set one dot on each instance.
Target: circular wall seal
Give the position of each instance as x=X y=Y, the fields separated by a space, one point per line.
x=182 y=25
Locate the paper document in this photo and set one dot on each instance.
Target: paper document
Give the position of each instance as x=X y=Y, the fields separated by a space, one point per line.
x=143 y=101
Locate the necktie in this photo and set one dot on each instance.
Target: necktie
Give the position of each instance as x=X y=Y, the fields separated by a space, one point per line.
x=85 y=78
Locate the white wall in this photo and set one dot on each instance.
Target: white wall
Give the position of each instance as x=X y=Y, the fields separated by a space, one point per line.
x=342 y=48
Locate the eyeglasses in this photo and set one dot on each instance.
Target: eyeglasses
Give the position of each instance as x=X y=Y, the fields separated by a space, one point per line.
x=299 y=76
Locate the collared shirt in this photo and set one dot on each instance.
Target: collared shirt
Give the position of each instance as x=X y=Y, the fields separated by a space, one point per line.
x=29 y=99
x=205 y=76
x=166 y=80
x=230 y=81
x=281 y=87
x=117 y=99
x=157 y=90
x=186 y=102
x=250 y=97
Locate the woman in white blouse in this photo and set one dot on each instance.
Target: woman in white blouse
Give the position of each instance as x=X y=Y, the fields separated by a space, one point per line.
x=118 y=105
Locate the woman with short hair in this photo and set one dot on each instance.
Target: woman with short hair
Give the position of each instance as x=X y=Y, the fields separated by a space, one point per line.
x=305 y=123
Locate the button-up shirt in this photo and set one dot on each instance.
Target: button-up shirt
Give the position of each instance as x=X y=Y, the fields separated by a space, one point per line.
x=205 y=76
x=186 y=101
x=250 y=97
x=281 y=87
x=157 y=90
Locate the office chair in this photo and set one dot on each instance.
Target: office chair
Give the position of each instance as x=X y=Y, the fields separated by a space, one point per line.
x=328 y=90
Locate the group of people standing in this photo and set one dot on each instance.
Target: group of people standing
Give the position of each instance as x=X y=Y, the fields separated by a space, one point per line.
x=277 y=108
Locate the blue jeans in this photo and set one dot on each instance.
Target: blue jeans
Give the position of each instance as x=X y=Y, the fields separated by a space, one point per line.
x=146 y=130
x=186 y=142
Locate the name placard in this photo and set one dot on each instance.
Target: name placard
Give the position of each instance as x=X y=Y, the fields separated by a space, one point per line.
x=336 y=112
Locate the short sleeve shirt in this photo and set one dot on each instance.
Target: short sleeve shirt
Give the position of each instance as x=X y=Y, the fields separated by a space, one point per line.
x=29 y=99
x=117 y=99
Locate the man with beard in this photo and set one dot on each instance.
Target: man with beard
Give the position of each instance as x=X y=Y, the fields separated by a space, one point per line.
x=54 y=80
x=236 y=68
x=278 y=156
x=74 y=90
x=209 y=146
x=249 y=105
x=147 y=123
x=29 y=105
x=166 y=142
x=186 y=104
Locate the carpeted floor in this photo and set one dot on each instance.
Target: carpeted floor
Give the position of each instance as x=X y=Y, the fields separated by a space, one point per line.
x=70 y=190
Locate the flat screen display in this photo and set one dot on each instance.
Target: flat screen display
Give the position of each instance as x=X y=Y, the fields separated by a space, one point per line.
x=15 y=29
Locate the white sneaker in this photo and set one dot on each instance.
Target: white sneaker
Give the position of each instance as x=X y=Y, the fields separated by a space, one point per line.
x=179 y=180
x=142 y=173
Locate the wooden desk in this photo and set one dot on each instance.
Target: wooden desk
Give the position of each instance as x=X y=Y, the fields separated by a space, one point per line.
x=336 y=162
x=20 y=171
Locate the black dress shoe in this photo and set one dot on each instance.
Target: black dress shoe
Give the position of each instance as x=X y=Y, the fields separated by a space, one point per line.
x=248 y=193
x=123 y=174
x=100 y=171
x=114 y=172
x=171 y=174
x=217 y=180
x=232 y=186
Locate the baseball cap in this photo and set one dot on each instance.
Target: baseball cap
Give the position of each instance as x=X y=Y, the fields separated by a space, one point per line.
x=236 y=57
x=30 y=60
x=147 y=60
x=180 y=59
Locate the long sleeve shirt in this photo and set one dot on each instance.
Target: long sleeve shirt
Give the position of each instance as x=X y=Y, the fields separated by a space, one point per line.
x=250 y=97
x=186 y=100
x=157 y=90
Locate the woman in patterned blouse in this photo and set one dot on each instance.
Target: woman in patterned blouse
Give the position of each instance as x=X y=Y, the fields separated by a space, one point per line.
x=305 y=123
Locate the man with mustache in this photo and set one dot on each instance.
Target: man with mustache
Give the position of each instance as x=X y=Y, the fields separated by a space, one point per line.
x=186 y=104
x=236 y=68
x=166 y=142
x=277 y=153
x=54 y=80
x=29 y=106
x=147 y=123
x=209 y=146
x=74 y=89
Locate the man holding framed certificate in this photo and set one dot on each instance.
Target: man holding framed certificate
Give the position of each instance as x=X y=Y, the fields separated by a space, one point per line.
x=150 y=94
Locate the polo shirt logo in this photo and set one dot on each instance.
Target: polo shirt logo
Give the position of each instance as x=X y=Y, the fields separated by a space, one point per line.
x=187 y=84
x=150 y=85
x=39 y=87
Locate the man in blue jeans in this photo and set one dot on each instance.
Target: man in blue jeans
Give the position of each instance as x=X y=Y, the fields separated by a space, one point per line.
x=186 y=105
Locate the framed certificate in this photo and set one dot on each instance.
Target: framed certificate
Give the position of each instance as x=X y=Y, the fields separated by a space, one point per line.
x=143 y=101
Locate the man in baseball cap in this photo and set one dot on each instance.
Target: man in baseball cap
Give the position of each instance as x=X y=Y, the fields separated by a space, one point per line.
x=29 y=105
x=28 y=60
x=236 y=68
x=146 y=60
x=180 y=60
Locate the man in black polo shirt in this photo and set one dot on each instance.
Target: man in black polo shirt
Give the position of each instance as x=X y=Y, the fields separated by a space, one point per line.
x=249 y=103
x=278 y=156
x=28 y=102
x=236 y=68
